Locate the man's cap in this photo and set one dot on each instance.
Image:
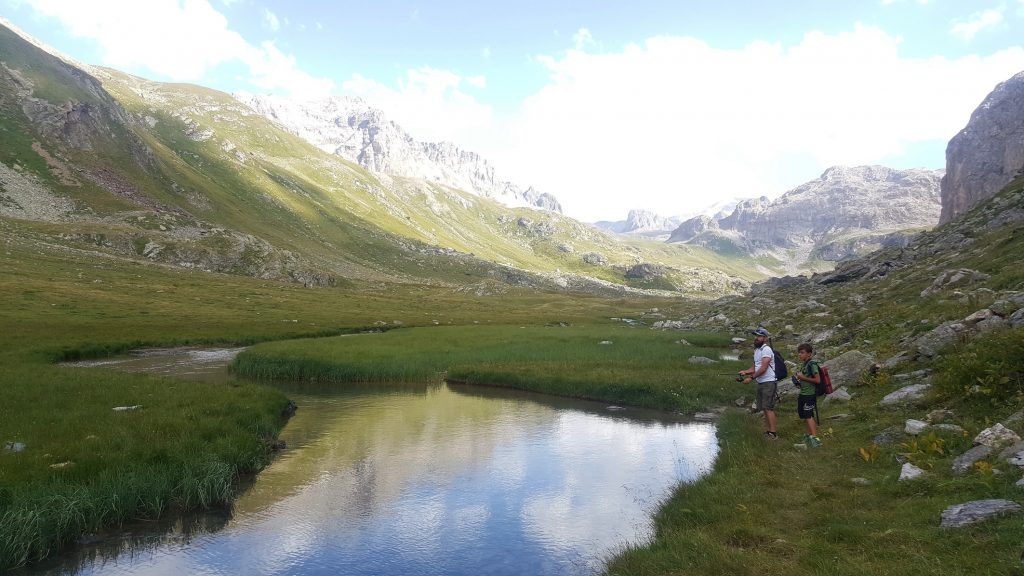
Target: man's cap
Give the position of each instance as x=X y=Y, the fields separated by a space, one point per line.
x=761 y=332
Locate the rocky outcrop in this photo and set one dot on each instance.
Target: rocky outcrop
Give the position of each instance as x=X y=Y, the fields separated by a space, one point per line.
x=352 y=129
x=988 y=153
x=639 y=222
x=845 y=212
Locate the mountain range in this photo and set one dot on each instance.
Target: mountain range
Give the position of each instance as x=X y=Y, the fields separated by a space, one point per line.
x=352 y=129
x=331 y=193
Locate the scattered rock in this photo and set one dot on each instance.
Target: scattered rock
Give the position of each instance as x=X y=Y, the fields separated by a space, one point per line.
x=740 y=402
x=952 y=428
x=888 y=436
x=702 y=360
x=841 y=394
x=990 y=324
x=61 y=465
x=860 y=482
x=940 y=415
x=946 y=334
x=683 y=342
x=1017 y=318
x=1014 y=419
x=996 y=436
x=953 y=279
x=14 y=446
x=906 y=394
x=965 y=462
x=738 y=340
x=605 y=342
x=898 y=359
x=915 y=427
x=842 y=416
x=983 y=314
x=849 y=368
x=913 y=375
x=1020 y=483
x=668 y=325
x=127 y=408
x=959 y=515
x=910 y=472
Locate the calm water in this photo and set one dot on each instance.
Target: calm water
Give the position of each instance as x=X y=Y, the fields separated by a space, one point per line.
x=422 y=480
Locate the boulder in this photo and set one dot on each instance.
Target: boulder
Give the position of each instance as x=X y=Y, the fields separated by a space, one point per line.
x=910 y=472
x=701 y=360
x=959 y=515
x=953 y=279
x=14 y=446
x=939 y=415
x=1017 y=318
x=905 y=394
x=964 y=462
x=669 y=325
x=839 y=395
x=938 y=338
x=991 y=323
x=983 y=314
x=996 y=436
x=860 y=481
x=915 y=427
x=1013 y=455
x=849 y=368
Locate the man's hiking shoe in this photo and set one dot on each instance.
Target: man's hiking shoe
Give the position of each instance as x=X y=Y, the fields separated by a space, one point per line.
x=771 y=436
x=813 y=441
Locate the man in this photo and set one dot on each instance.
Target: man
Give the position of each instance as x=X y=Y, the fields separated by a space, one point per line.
x=763 y=371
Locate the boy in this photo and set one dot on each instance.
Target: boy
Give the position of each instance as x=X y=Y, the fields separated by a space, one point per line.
x=807 y=378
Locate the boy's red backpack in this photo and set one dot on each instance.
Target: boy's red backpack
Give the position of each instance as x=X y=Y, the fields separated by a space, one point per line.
x=824 y=385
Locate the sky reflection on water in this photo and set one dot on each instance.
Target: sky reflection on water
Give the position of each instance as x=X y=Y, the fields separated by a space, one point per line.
x=434 y=480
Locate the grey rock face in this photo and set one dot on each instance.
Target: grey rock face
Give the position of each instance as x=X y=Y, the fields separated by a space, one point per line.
x=988 y=153
x=353 y=130
x=944 y=335
x=857 y=208
x=954 y=279
x=968 y=513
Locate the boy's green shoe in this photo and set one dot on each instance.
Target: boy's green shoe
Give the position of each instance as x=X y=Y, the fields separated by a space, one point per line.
x=813 y=441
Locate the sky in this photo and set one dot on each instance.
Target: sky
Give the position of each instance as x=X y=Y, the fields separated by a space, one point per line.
x=667 y=106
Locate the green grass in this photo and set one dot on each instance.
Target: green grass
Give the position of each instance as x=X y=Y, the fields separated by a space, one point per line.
x=639 y=366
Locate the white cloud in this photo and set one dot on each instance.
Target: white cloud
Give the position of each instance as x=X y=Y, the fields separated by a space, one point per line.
x=271 y=20
x=582 y=38
x=157 y=39
x=674 y=123
x=431 y=104
x=968 y=29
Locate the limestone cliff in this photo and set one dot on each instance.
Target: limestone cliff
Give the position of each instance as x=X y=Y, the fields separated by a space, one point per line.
x=988 y=153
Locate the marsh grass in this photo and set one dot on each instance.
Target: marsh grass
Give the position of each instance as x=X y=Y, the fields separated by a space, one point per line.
x=636 y=366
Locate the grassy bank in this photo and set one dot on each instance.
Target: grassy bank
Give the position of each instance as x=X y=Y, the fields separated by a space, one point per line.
x=86 y=467
x=616 y=363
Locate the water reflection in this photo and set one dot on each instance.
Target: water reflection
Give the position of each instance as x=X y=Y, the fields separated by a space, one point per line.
x=434 y=480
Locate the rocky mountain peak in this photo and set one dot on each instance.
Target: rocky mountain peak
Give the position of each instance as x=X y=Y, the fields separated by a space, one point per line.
x=988 y=153
x=349 y=127
x=843 y=212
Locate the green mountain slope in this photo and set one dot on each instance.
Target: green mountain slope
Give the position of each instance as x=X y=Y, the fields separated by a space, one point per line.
x=188 y=176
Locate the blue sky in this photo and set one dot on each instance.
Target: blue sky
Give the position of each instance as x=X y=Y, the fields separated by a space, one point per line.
x=666 y=106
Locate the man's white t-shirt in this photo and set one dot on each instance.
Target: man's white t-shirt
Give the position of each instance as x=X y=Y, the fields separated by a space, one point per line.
x=760 y=353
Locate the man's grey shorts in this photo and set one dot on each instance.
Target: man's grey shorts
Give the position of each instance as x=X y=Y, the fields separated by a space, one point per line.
x=766 y=394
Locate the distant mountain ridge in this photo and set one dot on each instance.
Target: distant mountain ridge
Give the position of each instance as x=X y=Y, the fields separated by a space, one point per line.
x=352 y=129
x=845 y=212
